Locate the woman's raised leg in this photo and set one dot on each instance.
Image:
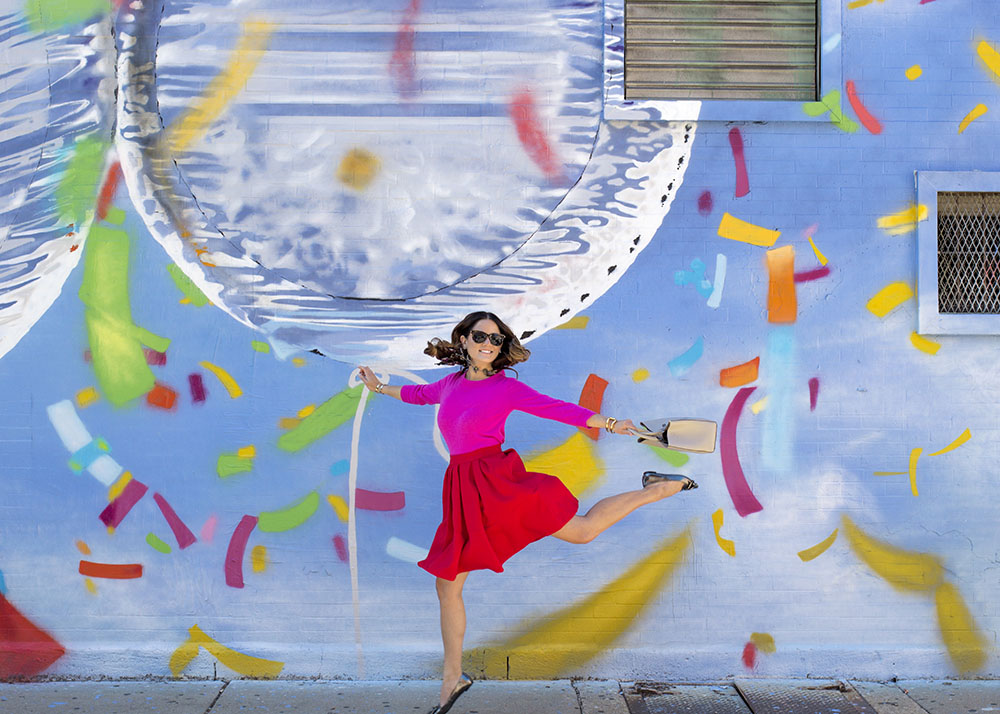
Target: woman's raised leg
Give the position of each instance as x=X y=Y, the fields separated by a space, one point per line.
x=608 y=511
x=452 y=630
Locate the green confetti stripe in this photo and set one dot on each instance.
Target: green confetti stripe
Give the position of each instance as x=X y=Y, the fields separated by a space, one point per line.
x=232 y=464
x=329 y=415
x=157 y=544
x=290 y=517
x=77 y=191
x=115 y=341
x=261 y=346
x=191 y=291
x=674 y=458
x=45 y=15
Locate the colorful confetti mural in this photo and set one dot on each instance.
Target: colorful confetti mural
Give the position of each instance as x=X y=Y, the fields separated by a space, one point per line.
x=215 y=213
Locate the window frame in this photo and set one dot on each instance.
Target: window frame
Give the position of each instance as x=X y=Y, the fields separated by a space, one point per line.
x=617 y=108
x=930 y=321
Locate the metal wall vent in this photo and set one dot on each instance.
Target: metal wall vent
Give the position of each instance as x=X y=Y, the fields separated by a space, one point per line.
x=968 y=254
x=721 y=49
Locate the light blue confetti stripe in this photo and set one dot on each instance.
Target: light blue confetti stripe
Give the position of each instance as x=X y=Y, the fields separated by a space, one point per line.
x=680 y=364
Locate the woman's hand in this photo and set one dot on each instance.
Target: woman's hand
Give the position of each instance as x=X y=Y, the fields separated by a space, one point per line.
x=625 y=427
x=368 y=377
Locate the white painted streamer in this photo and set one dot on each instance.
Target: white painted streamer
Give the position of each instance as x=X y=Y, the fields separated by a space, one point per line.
x=400 y=548
x=715 y=299
x=404 y=550
x=74 y=436
x=352 y=527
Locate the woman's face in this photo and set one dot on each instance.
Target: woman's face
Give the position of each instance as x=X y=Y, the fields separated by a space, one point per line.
x=482 y=353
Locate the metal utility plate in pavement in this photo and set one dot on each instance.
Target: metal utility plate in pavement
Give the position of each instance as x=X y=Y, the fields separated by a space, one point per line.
x=310 y=697
x=795 y=697
x=684 y=699
x=942 y=697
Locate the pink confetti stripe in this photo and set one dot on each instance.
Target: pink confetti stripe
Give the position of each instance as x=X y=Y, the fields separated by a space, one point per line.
x=739 y=490
x=379 y=500
x=154 y=358
x=208 y=530
x=197 y=385
x=182 y=533
x=813 y=393
x=867 y=120
x=116 y=511
x=742 y=181
x=341 y=547
x=403 y=64
x=806 y=275
x=236 y=550
x=533 y=139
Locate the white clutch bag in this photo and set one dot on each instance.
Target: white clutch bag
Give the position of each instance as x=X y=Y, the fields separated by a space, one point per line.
x=695 y=435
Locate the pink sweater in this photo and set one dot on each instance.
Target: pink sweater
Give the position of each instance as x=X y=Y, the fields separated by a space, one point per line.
x=473 y=414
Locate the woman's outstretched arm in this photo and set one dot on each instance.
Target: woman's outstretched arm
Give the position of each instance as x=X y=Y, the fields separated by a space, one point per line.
x=373 y=383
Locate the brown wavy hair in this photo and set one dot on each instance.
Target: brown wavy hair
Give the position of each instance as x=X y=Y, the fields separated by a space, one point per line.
x=451 y=352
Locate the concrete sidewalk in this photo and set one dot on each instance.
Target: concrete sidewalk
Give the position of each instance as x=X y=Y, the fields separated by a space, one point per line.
x=743 y=696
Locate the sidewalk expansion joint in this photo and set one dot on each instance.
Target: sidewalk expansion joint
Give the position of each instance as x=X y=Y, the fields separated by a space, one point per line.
x=211 y=706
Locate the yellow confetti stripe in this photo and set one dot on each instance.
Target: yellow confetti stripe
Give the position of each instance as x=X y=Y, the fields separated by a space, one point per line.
x=759 y=406
x=914 y=457
x=905 y=570
x=258 y=558
x=223 y=376
x=888 y=298
x=306 y=411
x=298 y=362
x=640 y=375
x=89 y=584
x=118 y=486
x=574 y=462
x=923 y=344
x=734 y=229
x=819 y=256
x=86 y=397
x=196 y=119
x=560 y=642
x=854 y=4
x=962 y=438
x=967 y=646
x=288 y=423
x=990 y=56
x=910 y=571
x=820 y=548
x=247 y=452
x=889 y=473
x=727 y=545
x=764 y=642
x=339 y=506
x=237 y=661
x=914 y=72
x=577 y=323
x=904 y=221
x=977 y=111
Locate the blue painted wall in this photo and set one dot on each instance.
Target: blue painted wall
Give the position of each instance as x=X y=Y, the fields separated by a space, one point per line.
x=879 y=399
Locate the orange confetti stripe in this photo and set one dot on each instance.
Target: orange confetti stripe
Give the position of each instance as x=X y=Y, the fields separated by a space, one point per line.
x=782 y=305
x=740 y=374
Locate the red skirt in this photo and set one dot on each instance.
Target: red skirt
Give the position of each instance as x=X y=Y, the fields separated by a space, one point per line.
x=492 y=509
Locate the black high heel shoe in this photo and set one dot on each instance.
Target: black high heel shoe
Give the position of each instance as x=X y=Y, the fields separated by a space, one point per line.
x=464 y=682
x=651 y=477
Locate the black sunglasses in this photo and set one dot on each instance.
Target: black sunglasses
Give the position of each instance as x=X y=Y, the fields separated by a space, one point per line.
x=479 y=337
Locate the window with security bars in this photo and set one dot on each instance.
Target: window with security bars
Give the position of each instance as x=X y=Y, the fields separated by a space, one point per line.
x=721 y=49
x=968 y=252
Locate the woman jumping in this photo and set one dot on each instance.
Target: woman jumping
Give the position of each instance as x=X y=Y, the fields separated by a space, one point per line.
x=492 y=507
